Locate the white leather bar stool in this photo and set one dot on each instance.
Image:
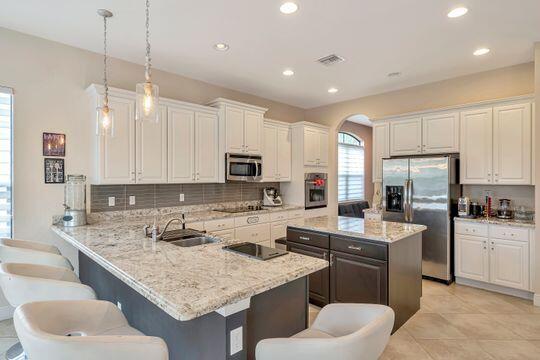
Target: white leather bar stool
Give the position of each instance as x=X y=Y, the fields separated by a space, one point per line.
x=22 y=283
x=83 y=330
x=30 y=252
x=340 y=331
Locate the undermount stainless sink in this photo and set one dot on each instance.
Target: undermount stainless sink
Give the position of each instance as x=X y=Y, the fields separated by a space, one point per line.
x=194 y=241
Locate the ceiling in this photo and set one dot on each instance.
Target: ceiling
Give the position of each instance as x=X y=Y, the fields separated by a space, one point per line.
x=376 y=37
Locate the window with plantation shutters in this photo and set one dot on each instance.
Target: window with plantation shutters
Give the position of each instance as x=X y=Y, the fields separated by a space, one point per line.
x=351 y=177
x=6 y=116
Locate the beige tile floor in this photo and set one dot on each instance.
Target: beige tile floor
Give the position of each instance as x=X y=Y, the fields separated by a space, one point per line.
x=454 y=322
x=460 y=322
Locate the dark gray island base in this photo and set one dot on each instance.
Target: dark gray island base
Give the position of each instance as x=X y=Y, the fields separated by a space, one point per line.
x=279 y=312
x=363 y=268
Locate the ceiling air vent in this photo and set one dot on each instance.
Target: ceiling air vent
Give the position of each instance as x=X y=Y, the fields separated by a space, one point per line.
x=331 y=60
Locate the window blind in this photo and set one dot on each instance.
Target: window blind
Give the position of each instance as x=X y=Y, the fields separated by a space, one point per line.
x=350 y=168
x=6 y=117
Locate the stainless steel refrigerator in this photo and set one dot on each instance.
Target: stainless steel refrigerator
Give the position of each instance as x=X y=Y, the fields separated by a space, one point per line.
x=425 y=190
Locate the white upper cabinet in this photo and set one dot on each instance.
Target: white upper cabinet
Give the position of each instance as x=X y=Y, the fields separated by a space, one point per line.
x=151 y=150
x=115 y=156
x=512 y=144
x=476 y=128
x=181 y=145
x=234 y=124
x=276 y=152
x=440 y=133
x=253 y=129
x=206 y=147
x=406 y=137
x=315 y=146
x=381 y=148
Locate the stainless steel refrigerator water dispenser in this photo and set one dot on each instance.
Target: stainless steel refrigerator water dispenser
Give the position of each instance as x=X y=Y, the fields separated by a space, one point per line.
x=75 y=201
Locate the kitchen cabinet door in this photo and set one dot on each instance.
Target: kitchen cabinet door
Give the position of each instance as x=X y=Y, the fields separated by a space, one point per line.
x=270 y=153
x=476 y=134
x=116 y=155
x=253 y=130
x=234 y=130
x=356 y=279
x=323 y=148
x=509 y=263
x=512 y=144
x=319 y=282
x=440 y=133
x=284 y=155
x=278 y=230
x=311 y=147
x=381 y=148
x=181 y=145
x=406 y=137
x=472 y=257
x=206 y=148
x=151 y=154
x=254 y=233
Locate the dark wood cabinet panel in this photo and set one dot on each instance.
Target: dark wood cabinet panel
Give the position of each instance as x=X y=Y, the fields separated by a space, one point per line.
x=319 y=282
x=308 y=238
x=359 y=247
x=356 y=279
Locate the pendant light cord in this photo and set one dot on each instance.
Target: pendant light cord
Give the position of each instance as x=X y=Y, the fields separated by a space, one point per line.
x=148 y=59
x=105 y=82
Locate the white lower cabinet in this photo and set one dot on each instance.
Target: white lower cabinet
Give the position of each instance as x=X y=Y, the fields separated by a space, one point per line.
x=259 y=233
x=226 y=235
x=491 y=259
x=278 y=230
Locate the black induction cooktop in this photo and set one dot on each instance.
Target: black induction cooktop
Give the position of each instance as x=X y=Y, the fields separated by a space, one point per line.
x=255 y=250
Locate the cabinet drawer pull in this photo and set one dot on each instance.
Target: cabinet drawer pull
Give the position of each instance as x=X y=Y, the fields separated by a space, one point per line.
x=252 y=219
x=352 y=247
x=305 y=238
x=324 y=256
x=331 y=259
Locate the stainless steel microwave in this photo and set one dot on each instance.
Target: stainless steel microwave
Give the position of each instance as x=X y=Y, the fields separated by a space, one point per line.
x=241 y=167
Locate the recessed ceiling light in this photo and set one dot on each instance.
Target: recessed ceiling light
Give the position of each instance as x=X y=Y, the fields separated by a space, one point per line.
x=332 y=90
x=221 y=47
x=457 y=12
x=481 y=51
x=288 y=72
x=288 y=8
x=394 y=74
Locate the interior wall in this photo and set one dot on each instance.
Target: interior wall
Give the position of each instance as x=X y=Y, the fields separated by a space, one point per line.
x=521 y=195
x=365 y=133
x=536 y=138
x=49 y=80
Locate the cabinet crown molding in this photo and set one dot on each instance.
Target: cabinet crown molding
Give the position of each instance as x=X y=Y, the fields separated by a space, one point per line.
x=311 y=124
x=97 y=89
x=219 y=102
x=277 y=123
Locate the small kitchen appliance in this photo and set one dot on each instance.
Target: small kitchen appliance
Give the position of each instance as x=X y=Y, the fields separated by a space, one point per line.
x=241 y=167
x=75 y=201
x=505 y=210
x=463 y=206
x=271 y=197
x=316 y=190
x=476 y=210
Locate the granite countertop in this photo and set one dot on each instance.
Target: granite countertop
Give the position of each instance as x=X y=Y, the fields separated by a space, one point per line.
x=185 y=282
x=383 y=231
x=496 y=221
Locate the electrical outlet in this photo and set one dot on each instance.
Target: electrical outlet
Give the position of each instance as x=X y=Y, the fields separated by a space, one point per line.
x=119 y=305
x=181 y=197
x=132 y=200
x=112 y=200
x=236 y=340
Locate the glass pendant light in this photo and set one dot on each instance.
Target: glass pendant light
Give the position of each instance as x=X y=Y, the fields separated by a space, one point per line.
x=147 y=107
x=105 y=115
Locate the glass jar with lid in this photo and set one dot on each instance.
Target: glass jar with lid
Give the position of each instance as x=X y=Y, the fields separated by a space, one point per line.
x=75 y=200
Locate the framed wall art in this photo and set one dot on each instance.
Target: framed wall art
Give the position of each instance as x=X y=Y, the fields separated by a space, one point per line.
x=54 y=144
x=54 y=171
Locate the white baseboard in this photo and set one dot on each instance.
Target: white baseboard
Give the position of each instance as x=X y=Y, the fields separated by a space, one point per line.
x=500 y=289
x=536 y=300
x=6 y=312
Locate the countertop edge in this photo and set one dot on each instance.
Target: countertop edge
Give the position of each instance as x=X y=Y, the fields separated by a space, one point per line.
x=494 y=221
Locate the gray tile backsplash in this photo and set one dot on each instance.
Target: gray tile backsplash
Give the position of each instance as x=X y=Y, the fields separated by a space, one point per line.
x=168 y=195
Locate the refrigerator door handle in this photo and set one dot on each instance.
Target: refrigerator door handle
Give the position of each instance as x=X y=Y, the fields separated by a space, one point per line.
x=410 y=200
x=406 y=206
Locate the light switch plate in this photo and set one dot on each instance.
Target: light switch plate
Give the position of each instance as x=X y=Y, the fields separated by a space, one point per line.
x=112 y=200
x=236 y=340
x=181 y=197
x=132 y=200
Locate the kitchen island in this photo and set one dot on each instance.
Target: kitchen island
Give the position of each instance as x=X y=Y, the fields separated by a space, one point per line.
x=198 y=299
x=371 y=261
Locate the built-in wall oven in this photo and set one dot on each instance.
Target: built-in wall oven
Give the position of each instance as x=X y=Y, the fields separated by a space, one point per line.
x=241 y=167
x=316 y=187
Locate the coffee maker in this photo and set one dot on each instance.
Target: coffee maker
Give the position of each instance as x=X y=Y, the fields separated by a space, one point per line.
x=271 y=197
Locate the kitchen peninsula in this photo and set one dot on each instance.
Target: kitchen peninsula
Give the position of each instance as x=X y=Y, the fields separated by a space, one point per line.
x=371 y=261
x=198 y=299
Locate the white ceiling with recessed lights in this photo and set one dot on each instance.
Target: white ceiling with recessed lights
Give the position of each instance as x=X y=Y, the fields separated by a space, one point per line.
x=376 y=37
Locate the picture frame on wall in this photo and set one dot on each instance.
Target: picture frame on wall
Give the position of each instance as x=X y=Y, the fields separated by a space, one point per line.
x=54 y=171
x=54 y=144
